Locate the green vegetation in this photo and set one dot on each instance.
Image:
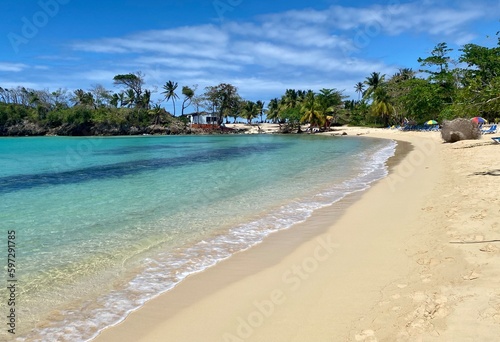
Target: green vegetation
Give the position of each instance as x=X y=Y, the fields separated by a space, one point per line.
x=99 y=111
x=297 y=107
x=169 y=92
x=444 y=89
x=442 y=93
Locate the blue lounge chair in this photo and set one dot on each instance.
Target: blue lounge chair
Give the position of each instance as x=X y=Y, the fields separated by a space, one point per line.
x=491 y=130
x=496 y=139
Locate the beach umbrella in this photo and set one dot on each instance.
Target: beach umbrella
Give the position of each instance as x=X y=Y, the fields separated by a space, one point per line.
x=431 y=122
x=478 y=120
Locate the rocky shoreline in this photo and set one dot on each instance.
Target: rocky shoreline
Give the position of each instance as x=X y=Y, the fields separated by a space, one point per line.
x=27 y=128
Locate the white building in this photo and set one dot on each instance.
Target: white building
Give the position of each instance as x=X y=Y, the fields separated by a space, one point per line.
x=202 y=118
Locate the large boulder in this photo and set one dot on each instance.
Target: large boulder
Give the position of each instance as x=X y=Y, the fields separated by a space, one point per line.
x=460 y=129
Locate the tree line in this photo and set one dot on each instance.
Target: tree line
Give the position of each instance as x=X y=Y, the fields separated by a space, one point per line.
x=133 y=104
x=466 y=87
x=446 y=89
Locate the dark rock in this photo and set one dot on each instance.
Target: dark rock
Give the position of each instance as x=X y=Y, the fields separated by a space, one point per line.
x=156 y=129
x=460 y=129
x=24 y=128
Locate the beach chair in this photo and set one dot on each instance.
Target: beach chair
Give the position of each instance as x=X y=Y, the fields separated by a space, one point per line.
x=491 y=130
x=496 y=140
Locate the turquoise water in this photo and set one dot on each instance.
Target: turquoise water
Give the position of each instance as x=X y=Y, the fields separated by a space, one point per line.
x=105 y=224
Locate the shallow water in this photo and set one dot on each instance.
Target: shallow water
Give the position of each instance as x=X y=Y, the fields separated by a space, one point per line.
x=104 y=224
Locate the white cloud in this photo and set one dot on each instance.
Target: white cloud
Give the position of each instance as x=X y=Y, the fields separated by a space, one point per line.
x=321 y=40
x=466 y=38
x=97 y=75
x=27 y=85
x=307 y=48
x=12 y=67
x=395 y=18
x=204 y=41
x=186 y=63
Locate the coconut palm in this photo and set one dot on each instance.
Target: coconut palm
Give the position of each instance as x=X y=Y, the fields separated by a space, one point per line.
x=329 y=103
x=260 y=108
x=120 y=98
x=290 y=99
x=82 y=98
x=114 y=100
x=403 y=74
x=169 y=92
x=406 y=73
x=359 y=87
x=382 y=105
x=273 y=109
x=373 y=81
x=250 y=111
x=156 y=112
x=312 y=114
x=145 y=99
x=129 y=98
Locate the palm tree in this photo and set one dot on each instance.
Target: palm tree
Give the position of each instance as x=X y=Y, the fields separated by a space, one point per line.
x=290 y=99
x=382 y=105
x=118 y=99
x=403 y=74
x=291 y=108
x=157 y=113
x=170 y=92
x=249 y=111
x=129 y=98
x=359 y=87
x=260 y=108
x=273 y=109
x=79 y=97
x=114 y=100
x=373 y=81
x=83 y=98
x=301 y=95
x=329 y=103
x=311 y=112
x=406 y=73
x=145 y=99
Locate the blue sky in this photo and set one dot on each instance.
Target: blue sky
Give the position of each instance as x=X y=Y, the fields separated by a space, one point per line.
x=262 y=47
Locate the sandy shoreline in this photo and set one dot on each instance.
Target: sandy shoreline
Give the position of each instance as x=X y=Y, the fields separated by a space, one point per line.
x=377 y=266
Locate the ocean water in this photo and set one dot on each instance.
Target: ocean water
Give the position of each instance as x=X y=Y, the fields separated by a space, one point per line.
x=104 y=224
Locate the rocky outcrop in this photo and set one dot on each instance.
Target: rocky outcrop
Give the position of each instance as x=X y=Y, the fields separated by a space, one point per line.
x=460 y=129
x=27 y=128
